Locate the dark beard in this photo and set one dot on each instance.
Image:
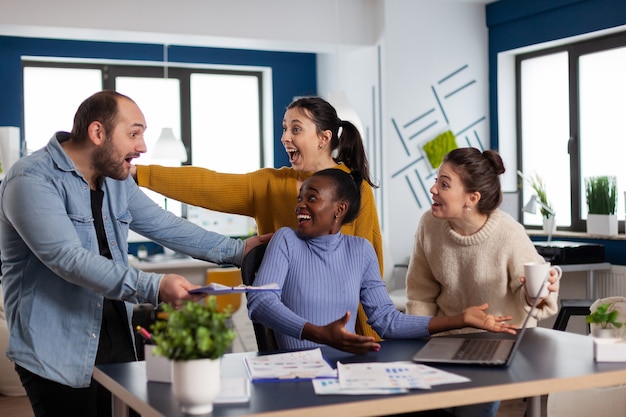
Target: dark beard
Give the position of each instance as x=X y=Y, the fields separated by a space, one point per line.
x=104 y=161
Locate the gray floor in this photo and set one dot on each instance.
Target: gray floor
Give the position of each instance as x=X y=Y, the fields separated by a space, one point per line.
x=245 y=341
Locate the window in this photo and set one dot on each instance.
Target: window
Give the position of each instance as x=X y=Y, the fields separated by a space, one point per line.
x=217 y=113
x=570 y=122
x=50 y=106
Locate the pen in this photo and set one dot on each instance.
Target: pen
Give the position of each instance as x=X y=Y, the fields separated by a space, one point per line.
x=144 y=333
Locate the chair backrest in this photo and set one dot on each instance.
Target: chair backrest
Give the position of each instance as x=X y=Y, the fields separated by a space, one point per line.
x=230 y=276
x=265 y=339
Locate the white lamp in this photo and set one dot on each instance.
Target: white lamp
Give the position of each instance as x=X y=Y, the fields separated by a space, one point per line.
x=531 y=207
x=168 y=146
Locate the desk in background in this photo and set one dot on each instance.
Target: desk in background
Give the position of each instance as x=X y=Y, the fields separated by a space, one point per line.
x=547 y=361
x=574 y=256
x=192 y=269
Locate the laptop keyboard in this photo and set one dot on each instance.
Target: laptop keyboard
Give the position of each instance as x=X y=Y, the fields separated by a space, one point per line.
x=477 y=349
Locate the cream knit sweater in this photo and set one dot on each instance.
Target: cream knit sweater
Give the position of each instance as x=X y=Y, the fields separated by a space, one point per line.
x=449 y=272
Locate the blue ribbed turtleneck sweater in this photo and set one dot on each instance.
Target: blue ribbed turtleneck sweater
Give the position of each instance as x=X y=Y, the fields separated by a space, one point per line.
x=321 y=279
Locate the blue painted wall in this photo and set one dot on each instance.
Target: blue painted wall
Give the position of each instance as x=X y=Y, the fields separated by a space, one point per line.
x=517 y=23
x=293 y=74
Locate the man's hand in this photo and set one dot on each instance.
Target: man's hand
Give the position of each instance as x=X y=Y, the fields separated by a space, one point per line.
x=335 y=335
x=174 y=289
x=255 y=241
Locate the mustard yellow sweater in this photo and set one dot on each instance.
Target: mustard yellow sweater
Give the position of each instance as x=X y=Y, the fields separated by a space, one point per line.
x=269 y=195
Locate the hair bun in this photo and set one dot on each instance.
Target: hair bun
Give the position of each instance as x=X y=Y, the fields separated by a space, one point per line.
x=495 y=160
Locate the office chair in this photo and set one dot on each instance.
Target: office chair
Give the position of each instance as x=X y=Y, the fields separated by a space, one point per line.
x=265 y=339
x=571 y=307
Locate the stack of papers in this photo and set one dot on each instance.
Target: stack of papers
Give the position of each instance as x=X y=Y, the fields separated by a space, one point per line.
x=233 y=391
x=384 y=378
x=216 y=289
x=306 y=364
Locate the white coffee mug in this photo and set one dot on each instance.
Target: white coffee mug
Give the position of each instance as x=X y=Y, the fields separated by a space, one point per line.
x=535 y=273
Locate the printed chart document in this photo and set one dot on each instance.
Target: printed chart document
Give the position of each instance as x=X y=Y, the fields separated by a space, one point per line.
x=331 y=387
x=306 y=364
x=380 y=375
x=433 y=376
x=216 y=289
x=384 y=378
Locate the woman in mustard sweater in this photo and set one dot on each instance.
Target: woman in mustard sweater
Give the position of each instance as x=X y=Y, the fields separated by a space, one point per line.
x=315 y=139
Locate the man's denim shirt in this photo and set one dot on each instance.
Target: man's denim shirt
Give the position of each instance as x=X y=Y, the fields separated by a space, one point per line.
x=54 y=279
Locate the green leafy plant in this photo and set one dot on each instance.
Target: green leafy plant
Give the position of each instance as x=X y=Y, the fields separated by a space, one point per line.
x=601 y=193
x=540 y=189
x=604 y=316
x=195 y=331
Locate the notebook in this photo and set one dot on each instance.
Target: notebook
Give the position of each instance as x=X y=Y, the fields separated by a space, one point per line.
x=497 y=351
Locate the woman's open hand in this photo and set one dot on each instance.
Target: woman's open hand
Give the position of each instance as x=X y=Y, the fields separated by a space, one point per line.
x=477 y=317
x=335 y=335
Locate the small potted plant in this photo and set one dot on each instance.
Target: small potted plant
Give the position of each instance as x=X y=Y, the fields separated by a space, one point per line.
x=194 y=337
x=605 y=320
x=601 y=195
x=537 y=184
x=608 y=346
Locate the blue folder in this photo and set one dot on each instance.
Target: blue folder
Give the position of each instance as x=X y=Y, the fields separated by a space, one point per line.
x=218 y=289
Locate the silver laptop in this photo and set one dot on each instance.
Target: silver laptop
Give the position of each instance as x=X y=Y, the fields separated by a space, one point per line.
x=498 y=351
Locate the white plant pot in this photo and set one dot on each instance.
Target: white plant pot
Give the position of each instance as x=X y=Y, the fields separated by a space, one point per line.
x=602 y=224
x=549 y=225
x=601 y=333
x=196 y=384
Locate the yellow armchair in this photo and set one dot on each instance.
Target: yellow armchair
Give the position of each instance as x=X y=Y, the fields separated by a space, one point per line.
x=230 y=276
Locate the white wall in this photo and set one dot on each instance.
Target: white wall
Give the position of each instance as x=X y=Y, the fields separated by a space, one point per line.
x=424 y=43
x=293 y=25
x=419 y=44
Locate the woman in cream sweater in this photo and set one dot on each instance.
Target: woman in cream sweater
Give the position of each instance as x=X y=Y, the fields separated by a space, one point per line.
x=468 y=252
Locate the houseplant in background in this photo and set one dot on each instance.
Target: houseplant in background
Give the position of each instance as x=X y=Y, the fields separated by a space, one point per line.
x=549 y=222
x=607 y=328
x=194 y=337
x=601 y=194
x=605 y=320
